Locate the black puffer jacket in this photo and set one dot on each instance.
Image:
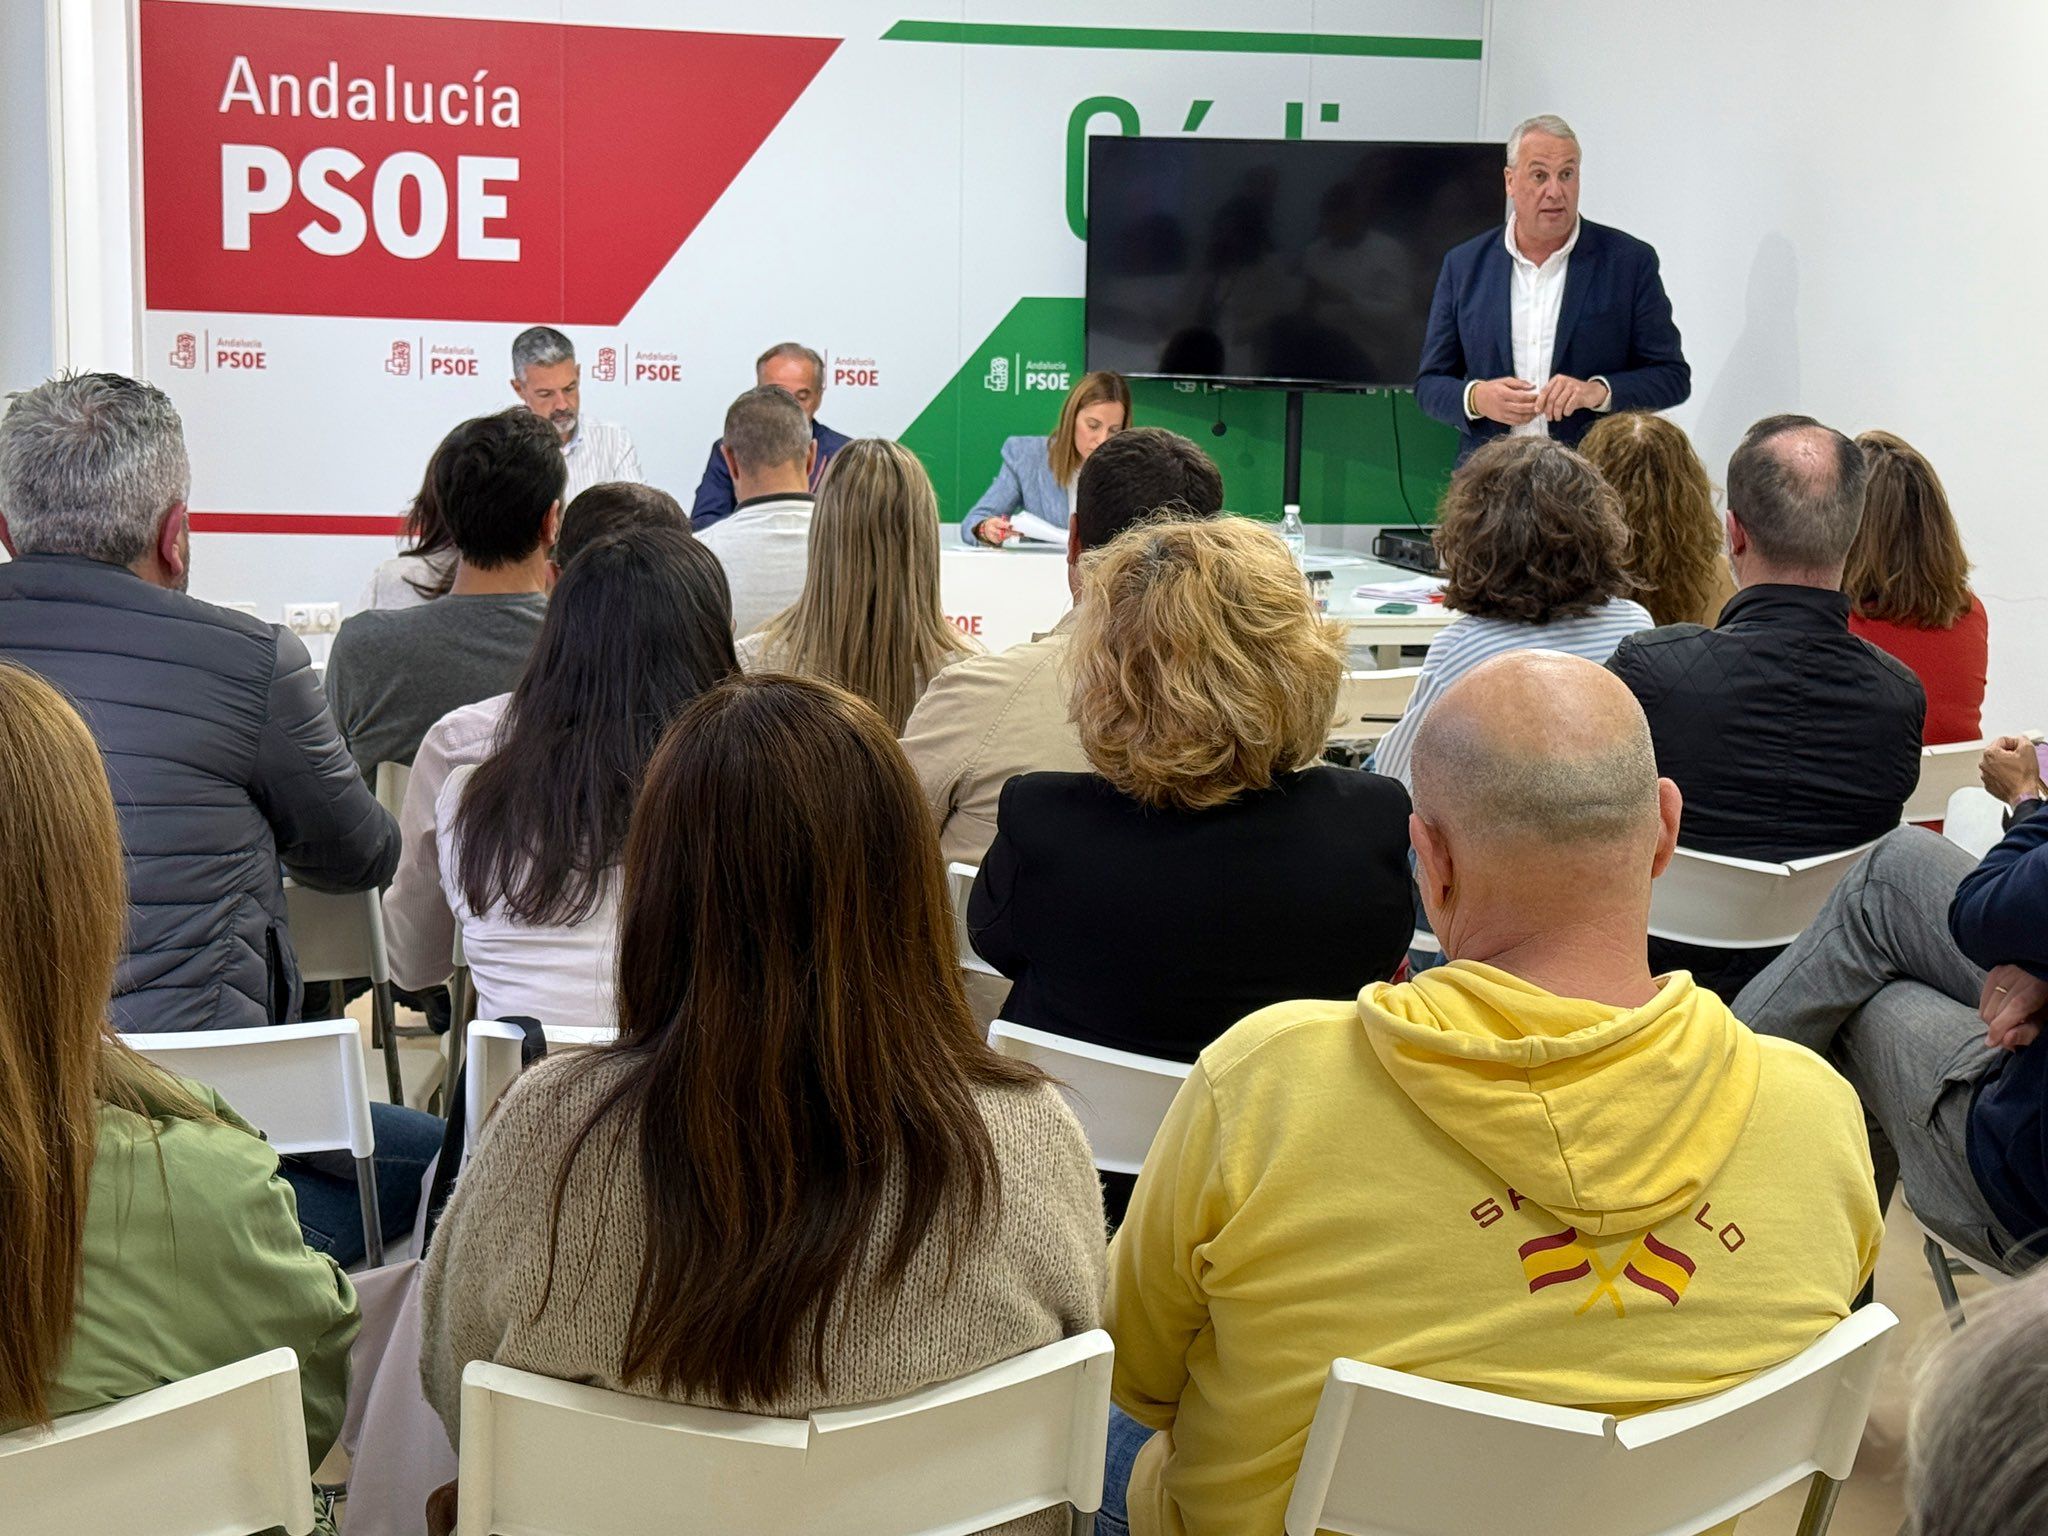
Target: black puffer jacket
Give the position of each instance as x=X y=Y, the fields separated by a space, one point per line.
x=223 y=759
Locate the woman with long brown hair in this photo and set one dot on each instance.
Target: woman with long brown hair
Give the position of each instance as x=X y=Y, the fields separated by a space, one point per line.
x=1033 y=492
x=1908 y=583
x=145 y=1234
x=799 y=1177
x=1676 y=543
x=869 y=618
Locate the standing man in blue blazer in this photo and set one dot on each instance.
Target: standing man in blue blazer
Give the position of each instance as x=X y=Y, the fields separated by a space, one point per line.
x=1550 y=320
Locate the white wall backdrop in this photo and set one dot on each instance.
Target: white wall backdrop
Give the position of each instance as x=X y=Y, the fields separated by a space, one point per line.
x=24 y=198
x=1846 y=199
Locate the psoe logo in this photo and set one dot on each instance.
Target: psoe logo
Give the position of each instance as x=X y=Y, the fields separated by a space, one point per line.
x=399 y=363
x=856 y=372
x=236 y=354
x=997 y=381
x=1045 y=376
x=450 y=362
x=185 y=351
x=606 y=368
x=657 y=368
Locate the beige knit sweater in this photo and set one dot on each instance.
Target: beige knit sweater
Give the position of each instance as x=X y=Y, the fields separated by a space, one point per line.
x=1036 y=1277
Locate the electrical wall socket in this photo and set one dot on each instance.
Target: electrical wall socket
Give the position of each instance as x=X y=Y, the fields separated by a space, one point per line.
x=312 y=618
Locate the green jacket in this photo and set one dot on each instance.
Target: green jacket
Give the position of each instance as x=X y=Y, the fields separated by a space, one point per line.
x=196 y=1261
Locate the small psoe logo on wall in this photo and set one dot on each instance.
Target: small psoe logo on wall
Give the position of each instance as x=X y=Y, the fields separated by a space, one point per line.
x=185 y=351
x=657 y=368
x=237 y=354
x=399 y=363
x=606 y=367
x=452 y=362
x=998 y=380
x=1045 y=376
x=856 y=372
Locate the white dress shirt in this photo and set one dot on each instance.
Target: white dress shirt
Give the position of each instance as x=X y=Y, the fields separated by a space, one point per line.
x=765 y=547
x=1535 y=303
x=599 y=452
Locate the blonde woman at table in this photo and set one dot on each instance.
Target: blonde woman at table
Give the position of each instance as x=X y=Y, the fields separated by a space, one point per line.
x=1033 y=493
x=869 y=617
x=1535 y=557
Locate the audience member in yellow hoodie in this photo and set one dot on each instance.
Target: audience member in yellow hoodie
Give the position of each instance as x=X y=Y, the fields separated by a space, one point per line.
x=1537 y=1170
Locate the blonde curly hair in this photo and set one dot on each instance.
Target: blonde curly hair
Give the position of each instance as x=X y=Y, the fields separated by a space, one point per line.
x=1200 y=667
x=1667 y=501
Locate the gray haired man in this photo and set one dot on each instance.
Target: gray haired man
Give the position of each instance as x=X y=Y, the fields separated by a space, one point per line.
x=765 y=545
x=549 y=382
x=223 y=755
x=798 y=369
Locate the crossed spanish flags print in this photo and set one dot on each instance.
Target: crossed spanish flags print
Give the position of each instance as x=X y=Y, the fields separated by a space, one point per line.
x=1564 y=1257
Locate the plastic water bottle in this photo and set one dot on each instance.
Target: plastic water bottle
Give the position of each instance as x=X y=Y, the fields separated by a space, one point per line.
x=1294 y=536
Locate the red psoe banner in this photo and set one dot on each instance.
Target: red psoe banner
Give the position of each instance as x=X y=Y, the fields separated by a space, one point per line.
x=343 y=163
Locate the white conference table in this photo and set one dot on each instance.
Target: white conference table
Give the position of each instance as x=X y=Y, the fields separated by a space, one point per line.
x=1003 y=597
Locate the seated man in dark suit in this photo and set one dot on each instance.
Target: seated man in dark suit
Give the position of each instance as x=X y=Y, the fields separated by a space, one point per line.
x=796 y=368
x=1548 y=321
x=1788 y=736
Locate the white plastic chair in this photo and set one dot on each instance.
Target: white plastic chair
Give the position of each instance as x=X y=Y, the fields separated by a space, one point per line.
x=1396 y=1455
x=303 y=1085
x=1369 y=703
x=1119 y=1097
x=339 y=938
x=1724 y=903
x=223 y=1451
x=959 y=885
x=551 y=1458
x=392 y=781
x=1943 y=770
x=1974 y=820
x=491 y=1066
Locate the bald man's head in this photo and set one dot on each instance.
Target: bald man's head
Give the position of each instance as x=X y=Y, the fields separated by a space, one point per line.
x=1797 y=487
x=1537 y=749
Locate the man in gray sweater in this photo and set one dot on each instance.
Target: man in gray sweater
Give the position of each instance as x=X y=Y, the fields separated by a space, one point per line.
x=395 y=671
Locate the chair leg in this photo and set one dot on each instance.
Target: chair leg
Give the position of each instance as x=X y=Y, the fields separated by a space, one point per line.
x=384 y=1022
x=373 y=1215
x=1084 y=1522
x=1820 y=1505
x=1944 y=1282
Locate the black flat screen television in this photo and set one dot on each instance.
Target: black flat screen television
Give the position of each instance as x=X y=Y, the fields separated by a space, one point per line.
x=1286 y=263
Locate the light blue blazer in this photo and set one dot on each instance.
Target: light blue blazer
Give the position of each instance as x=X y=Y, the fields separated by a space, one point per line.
x=1025 y=481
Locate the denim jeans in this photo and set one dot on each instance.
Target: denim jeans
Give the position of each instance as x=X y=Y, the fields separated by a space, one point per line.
x=330 y=1209
x=1127 y=1437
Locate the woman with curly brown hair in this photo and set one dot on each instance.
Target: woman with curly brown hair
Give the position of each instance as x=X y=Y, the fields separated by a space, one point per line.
x=1535 y=557
x=1677 y=547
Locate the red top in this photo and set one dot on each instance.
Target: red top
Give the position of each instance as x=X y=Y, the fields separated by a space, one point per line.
x=1950 y=664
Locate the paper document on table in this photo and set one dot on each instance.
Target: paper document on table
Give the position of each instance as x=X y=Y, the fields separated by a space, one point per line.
x=1406 y=589
x=1032 y=526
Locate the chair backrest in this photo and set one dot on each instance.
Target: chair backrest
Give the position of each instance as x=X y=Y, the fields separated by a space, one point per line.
x=1724 y=903
x=302 y=1085
x=1396 y=1455
x=1943 y=770
x=218 y=1452
x=959 y=885
x=392 y=780
x=492 y=1066
x=1974 y=820
x=1368 y=703
x=337 y=938
x=1119 y=1097
x=550 y=1458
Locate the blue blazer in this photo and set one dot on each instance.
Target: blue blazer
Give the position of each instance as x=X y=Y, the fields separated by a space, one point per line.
x=1025 y=481
x=714 y=492
x=1615 y=324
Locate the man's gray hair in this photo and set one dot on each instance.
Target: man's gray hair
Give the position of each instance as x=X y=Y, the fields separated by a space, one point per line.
x=793 y=349
x=1798 y=488
x=765 y=428
x=1585 y=787
x=539 y=346
x=1543 y=122
x=89 y=464
x=1976 y=1444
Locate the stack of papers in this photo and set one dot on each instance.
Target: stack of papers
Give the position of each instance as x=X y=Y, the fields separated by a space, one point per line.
x=1405 y=589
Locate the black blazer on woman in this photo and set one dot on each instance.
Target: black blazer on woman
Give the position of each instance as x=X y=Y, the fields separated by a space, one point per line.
x=1156 y=930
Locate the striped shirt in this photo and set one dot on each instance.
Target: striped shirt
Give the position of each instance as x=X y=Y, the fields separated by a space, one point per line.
x=598 y=452
x=1468 y=640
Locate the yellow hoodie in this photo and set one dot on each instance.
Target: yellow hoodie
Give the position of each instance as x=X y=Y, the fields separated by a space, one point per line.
x=1469 y=1179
